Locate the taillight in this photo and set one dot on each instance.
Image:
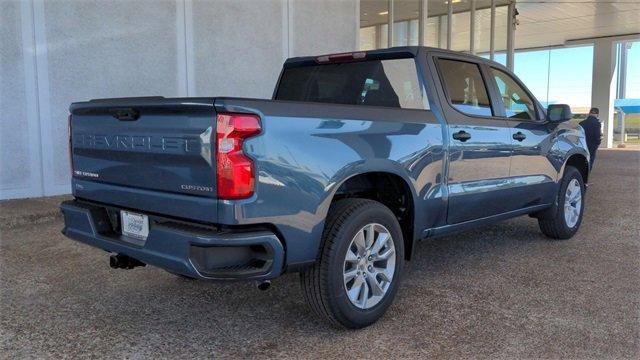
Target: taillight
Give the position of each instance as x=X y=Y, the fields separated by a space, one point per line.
x=235 y=171
x=70 y=144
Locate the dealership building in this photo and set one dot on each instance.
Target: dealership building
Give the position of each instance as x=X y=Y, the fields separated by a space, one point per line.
x=57 y=52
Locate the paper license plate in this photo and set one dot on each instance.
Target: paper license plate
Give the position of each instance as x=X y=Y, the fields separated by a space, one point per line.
x=135 y=225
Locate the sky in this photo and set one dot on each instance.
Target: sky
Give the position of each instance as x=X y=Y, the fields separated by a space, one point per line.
x=564 y=75
x=633 y=71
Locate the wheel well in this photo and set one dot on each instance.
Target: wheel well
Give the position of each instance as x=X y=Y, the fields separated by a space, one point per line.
x=579 y=162
x=388 y=189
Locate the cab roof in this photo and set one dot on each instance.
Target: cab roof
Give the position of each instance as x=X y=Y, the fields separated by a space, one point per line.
x=397 y=52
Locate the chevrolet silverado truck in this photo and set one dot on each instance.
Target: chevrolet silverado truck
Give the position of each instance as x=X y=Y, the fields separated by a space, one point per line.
x=356 y=158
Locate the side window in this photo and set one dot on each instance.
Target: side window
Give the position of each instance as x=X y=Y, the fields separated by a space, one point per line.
x=516 y=101
x=394 y=84
x=464 y=85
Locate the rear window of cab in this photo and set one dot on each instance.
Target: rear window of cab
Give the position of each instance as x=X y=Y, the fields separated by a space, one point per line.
x=388 y=83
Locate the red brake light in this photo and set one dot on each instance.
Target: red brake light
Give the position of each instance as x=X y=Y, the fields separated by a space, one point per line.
x=235 y=171
x=341 y=57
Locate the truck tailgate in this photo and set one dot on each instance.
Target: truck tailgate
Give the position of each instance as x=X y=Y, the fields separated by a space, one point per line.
x=157 y=150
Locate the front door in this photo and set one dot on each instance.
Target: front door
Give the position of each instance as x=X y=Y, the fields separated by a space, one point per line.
x=479 y=144
x=531 y=173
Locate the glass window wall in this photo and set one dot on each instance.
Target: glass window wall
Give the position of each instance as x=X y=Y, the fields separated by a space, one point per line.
x=408 y=17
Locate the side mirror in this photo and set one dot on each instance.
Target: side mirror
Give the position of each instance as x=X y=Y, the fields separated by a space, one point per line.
x=559 y=113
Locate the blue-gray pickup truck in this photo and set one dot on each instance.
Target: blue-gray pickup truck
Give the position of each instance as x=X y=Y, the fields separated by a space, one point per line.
x=356 y=158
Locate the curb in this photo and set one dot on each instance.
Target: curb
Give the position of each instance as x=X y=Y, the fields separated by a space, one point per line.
x=25 y=212
x=8 y=223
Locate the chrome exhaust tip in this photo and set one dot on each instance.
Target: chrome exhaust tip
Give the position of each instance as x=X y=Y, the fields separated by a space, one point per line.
x=264 y=285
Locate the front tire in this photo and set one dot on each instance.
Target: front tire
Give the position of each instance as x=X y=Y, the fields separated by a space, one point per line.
x=359 y=267
x=565 y=217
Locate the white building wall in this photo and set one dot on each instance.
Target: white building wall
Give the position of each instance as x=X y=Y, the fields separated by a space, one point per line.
x=19 y=126
x=321 y=27
x=55 y=52
x=237 y=47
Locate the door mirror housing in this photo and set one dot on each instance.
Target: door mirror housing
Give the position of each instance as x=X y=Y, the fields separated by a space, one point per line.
x=559 y=113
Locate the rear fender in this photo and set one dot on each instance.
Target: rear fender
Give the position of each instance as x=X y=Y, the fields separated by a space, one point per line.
x=363 y=167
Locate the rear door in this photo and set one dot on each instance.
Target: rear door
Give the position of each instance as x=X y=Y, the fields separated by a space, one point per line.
x=531 y=173
x=479 y=142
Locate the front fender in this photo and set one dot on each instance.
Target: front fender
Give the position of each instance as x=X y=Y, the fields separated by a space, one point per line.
x=569 y=140
x=568 y=155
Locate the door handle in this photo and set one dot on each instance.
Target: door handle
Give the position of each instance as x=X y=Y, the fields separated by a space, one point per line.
x=519 y=136
x=462 y=136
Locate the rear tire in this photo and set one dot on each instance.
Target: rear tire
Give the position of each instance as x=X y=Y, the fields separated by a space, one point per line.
x=563 y=220
x=359 y=267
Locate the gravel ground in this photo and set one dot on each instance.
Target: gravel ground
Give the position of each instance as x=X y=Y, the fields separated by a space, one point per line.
x=503 y=291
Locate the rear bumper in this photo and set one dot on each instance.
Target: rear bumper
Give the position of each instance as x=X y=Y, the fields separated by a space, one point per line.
x=182 y=248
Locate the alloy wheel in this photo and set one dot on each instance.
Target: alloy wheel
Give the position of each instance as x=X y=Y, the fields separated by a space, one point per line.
x=369 y=266
x=572 y=203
